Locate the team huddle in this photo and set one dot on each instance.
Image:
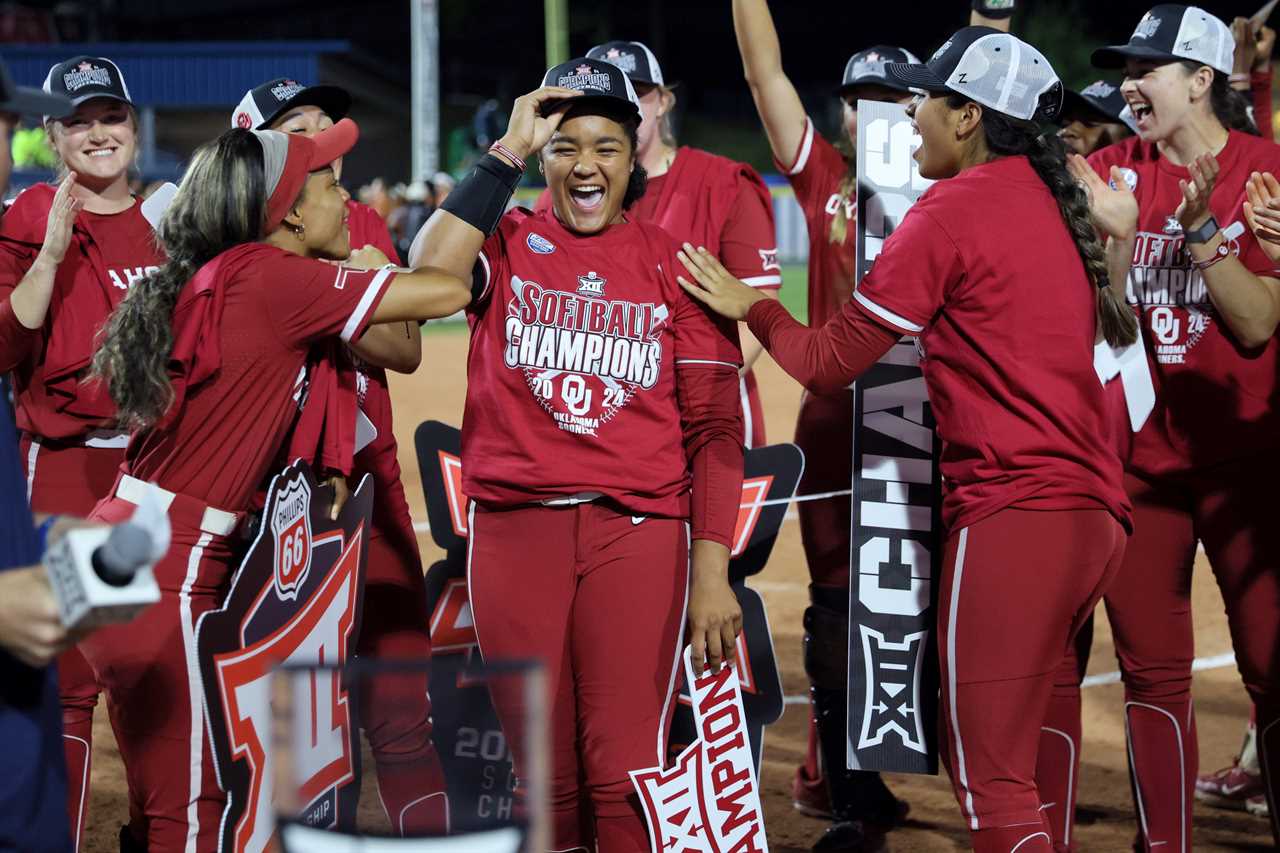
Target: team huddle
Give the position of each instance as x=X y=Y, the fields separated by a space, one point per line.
x=610 y=398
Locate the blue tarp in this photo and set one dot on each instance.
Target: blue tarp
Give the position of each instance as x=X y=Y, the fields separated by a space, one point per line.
x=171 y=75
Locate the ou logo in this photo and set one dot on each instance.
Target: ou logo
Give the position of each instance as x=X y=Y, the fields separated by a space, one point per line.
x=1165 y=325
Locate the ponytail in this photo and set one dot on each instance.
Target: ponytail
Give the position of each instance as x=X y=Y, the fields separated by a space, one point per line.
x=1007 y=136
x=838 y=233
x=220 y=204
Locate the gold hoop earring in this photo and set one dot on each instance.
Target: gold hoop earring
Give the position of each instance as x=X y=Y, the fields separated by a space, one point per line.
x=301 y=232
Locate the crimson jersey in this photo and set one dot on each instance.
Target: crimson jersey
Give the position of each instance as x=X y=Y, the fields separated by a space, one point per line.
x=379 y=458
x=1007 y=336
x=815 y=173
x=725 y=207
x=108 y=253
x=231 y=428
x=571 y=373
x=1215 y=402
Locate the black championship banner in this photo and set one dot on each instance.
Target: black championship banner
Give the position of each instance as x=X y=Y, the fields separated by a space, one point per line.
x=476 y=760
x=296 y=599
x=896 y=523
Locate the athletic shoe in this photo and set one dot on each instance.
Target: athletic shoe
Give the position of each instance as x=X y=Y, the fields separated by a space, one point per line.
x=851 y=836
x=810 y=796
x=1229 y=788
x=1257 y=805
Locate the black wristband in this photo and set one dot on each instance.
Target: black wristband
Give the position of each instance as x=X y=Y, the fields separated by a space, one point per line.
x=995 y=9
x=481 y=197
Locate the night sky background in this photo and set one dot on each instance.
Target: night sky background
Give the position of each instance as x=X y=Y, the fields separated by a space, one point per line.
x=495 y=49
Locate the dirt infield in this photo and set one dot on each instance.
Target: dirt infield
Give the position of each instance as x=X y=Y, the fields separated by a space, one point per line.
x=1106 y=819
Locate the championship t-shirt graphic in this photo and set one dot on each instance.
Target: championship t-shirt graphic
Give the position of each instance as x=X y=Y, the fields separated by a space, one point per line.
x=583 y=355
x=1171 y=292
x=576 y=343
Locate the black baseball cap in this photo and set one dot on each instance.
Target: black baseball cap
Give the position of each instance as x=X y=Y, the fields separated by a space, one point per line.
x=634 y=58
x=866 y=68
x=993 y=68
x=1172 y=32
x=1100 y=101
x=599 y=81
x=263 y=104
x=83 y=78
x=24 y=100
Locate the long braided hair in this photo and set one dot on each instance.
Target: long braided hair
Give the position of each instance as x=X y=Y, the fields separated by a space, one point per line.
x=220 y=204
x=1008 y=136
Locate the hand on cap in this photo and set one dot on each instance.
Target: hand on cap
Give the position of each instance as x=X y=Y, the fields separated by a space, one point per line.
x=1262 y=212
x=1193 y=211
x=62 y=218
x=528 y=130
x=1113 y=205
x=715 y=287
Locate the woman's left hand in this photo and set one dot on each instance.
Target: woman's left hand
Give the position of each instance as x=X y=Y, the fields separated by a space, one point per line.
x=714 y=286
x=1262 y=212
x=341 y=491
x=715 y=617
x=1193 y=211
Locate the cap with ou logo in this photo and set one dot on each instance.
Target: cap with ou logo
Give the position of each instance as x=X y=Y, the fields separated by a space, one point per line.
x=1171 y=33
x=599 y=81
x=866 y=67
x=992 y=68
x=1100 y=101
x=634 y=58
x=83 y=78
x=265 y=103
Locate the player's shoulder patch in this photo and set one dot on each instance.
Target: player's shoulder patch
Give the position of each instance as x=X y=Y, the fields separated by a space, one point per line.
x=1130 y=179
x=538 y=244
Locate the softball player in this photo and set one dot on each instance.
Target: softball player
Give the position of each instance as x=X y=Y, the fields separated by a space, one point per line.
x=601 y=436
x=699 y=196
x=398 y=725
x=825 y=180
x=205 y=358
x=68 y=256
x=1207 y=298
x=1027 y=457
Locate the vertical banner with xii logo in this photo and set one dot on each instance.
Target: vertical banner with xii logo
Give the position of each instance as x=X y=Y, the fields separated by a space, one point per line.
x=896 y=522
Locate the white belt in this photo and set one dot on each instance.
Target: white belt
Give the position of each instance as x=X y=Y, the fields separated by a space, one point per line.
x=216 y=521
x=571 y=500
x=106 y=438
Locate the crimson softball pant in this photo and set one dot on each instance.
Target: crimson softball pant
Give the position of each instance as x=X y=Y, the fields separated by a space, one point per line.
x=69 y=479
x=824 y=432
x=150 y=674
x=1231 y=510
x=1016 y=587
x=396 y=711
x=598 y=597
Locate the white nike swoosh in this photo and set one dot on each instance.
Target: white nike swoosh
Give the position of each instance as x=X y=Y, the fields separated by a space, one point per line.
x=636 y=519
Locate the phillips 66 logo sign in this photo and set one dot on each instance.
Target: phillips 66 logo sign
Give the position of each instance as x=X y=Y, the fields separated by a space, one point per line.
x=291 y=535
x=896 y=496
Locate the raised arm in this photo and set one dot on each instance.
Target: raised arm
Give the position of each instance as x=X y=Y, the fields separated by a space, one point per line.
x=452 y=238
x=776 y=98
x=992 y=13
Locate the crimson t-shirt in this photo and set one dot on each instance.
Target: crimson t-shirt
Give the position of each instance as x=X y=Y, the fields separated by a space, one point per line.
x=129 y=251
x=571 y=373
x=815 y=173
x=1215 y=400
x=1006 y=323
x=234 y=425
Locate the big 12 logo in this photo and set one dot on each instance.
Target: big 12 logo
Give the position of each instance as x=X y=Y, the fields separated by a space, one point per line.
x=294 y=609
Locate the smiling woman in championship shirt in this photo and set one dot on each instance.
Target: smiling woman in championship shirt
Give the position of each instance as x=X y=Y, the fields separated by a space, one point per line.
x=68 y=256
x=205 y=359
x=1204 y=465
x=601 y=434
x=1007 y=339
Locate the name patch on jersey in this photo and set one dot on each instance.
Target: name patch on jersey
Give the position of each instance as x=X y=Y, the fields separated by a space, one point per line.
x=1172 y=293
x=539 y=244
x=582 y=355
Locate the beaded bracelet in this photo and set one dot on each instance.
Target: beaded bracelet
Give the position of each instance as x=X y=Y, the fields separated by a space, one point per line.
x=508 y=153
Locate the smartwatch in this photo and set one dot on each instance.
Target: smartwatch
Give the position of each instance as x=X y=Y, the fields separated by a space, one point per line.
x=1204 y=233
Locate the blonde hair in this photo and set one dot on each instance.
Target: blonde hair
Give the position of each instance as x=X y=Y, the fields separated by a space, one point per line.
x=838 y=233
